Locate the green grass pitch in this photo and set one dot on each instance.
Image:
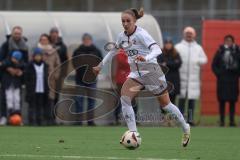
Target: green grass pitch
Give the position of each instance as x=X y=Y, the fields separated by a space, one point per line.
x=100 y=143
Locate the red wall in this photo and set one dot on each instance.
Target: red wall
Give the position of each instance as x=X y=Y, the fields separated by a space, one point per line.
x=213 y=34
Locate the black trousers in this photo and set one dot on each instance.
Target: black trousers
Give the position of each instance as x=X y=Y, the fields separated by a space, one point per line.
x=231 y=111
x=3 y=105
x=191 y=107
x=49 y=115
x=35 y=109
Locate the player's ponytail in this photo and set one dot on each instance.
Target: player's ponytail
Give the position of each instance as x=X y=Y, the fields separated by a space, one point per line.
x=138 y=13
x=135 y=13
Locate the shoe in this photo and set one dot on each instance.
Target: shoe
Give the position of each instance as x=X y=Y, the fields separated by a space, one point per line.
x=192 y=124
x=221 y=124
x=232 y=124
x=3 y=121
x=91 y=124
x=186 y=136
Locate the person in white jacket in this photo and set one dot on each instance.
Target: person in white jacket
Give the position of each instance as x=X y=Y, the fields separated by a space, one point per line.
x=193 y=57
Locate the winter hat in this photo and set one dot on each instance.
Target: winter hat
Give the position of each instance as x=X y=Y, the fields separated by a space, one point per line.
x=54 y=30
x=86 y=35
x=17 y=55
x=168 y=40
x=37 y=51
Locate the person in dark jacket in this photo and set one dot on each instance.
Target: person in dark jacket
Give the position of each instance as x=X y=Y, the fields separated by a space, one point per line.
x=171 y=59
x=14 y=42
x=58 y=43
x=36 y=81
x=87 y=48
x=226 y=67
x=12 y=82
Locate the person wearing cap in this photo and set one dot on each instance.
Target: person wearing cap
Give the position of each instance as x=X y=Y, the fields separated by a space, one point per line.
x=86 y=48
x=37 y=90
x=12 y=82
x=57 y=42
x=193 y=57
x=172 y=60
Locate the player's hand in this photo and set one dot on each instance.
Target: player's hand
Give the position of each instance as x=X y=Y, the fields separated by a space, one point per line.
x=96 y=69
x=140 y=58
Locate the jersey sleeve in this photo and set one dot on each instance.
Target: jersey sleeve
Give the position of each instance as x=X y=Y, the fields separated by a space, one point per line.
x=146 y=39
x=111 y=53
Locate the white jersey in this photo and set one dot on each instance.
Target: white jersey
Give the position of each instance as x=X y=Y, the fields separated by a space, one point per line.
x=139 y=43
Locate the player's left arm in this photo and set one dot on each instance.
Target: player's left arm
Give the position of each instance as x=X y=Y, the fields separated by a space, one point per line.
x=151 y=44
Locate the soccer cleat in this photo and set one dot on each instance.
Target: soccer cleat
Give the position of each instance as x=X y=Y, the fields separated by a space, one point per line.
x=186 y=137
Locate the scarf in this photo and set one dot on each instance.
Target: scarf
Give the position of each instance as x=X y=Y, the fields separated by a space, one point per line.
x=17 y=45
x=46 y=48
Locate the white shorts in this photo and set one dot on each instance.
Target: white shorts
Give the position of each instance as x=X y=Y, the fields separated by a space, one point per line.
x=153 y=80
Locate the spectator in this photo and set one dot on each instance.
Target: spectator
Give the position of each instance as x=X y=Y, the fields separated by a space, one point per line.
x=87 y=47
x=51 y=58
x=36 y=81
x=59 y=45
x=12 y=82
x=193 y=57
x=171 y=59
x=14 y=42
x=121 y=70
x=226 y=67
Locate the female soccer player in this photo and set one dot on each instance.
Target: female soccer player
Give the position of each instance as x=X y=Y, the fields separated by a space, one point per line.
x=142 y=51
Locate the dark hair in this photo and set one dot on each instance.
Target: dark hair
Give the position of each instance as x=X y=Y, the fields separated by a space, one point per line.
x=229 y=36
x=135 y=13
x=44 y=35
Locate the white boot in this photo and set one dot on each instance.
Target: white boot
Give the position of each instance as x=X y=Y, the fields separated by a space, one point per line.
x=186 y=136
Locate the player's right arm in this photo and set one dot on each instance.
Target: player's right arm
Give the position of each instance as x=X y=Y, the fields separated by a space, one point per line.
x=107 y=58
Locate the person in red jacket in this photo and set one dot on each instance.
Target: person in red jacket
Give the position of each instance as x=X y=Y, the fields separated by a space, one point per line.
x=121 y=70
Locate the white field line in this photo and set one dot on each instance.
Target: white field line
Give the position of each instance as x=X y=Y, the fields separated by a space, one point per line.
x=79 y=157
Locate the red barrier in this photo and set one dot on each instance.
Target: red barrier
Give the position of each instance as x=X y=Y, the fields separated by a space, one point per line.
x=212 y=36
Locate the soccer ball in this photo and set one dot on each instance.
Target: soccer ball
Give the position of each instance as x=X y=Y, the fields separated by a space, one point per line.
x=131 y=140
x=15 y=120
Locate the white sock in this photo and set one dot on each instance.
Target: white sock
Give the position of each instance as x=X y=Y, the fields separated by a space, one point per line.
x=128 y=113
x=172 y=109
